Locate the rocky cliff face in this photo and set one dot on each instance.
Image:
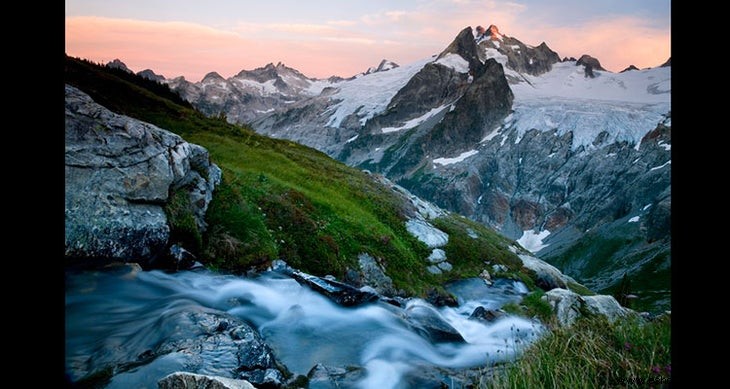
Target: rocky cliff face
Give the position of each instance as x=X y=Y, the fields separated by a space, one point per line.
x=120 y=173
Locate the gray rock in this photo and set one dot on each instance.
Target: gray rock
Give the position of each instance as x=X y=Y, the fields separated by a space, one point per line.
x=185 y=380
x=427 y=233
x=341 y=293
x=486 y=315
x=429 y=323
x=437 y=255
x=433 y=269
x=569 y=306
x=548 y=276
x=332 y=377
x=119 y=173
x=374 y=276
x=566 y=304
x=445 y=266
x=606 y=306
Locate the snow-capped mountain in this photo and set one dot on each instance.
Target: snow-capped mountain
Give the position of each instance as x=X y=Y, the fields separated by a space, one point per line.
x=251 y=93
x=572 y=160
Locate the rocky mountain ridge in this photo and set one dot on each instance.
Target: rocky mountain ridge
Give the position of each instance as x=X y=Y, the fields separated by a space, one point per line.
x=511 y=136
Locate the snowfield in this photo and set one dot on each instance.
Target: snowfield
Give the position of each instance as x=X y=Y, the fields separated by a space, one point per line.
x=370 y=94
x=630 y=105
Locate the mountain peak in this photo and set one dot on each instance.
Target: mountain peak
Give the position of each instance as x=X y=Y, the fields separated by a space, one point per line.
x=213 y=76
x=384 y=65
x=118 y=64
x=493 y=33
x=628 y=69
x=151 y=75
x=465 y=46
x=588 y=61
x=668 y=63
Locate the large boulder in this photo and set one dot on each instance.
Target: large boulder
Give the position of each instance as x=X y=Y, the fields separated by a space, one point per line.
x=185 y=380
x=569 y=306
x=547 y=276
x=120 y=173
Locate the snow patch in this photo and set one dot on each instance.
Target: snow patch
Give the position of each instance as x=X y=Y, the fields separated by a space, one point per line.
x=647 y=206
x=454 y=61
x=479 y=200
x=666 y=146
x=491 y=135
x=634 y=219
x=415 y=122
x=427 y=233
x=532 y=241
x=661 y=166
x=352 y=139
x=461 y=157
x=370 y=94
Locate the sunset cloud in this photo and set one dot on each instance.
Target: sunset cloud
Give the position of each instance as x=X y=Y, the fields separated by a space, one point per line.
x=345 y=43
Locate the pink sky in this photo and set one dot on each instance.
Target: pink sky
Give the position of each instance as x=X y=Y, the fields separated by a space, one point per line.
x=345 y=47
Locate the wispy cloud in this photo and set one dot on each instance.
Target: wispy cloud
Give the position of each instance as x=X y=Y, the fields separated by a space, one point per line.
x=349 y=43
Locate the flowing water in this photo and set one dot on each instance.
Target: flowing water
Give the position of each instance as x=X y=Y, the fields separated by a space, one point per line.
x=114 y=317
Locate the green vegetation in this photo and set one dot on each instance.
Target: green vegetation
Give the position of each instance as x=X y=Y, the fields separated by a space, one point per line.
x=532 y=306
x=282 y=200
x=183 y=229
x=593 y=353
x=651 y=282
x=279 y=199
x=471 y=255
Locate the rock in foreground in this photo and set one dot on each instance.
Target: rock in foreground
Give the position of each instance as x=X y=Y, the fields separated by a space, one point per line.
x=183 y=380
x=120 y=173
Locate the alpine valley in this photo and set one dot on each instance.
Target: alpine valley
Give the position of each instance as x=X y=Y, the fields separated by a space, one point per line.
x=492 y=216
x=571 y=160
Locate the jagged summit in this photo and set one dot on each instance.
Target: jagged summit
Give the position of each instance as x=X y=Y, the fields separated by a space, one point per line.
x=516 y=56
x=118 y=64
x=212 y=77
x=629 y=68
x=151 y=75
x=384 y=65
x=588 y=61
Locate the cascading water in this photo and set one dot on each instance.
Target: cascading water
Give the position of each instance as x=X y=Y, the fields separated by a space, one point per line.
x=139 y=326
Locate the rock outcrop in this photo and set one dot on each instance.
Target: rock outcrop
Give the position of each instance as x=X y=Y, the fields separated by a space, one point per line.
x=588 y=61
x=185 y=380
x=629 y=68
x=118 y=64
x=568 y=306
x=151 y=75
x=120 y=173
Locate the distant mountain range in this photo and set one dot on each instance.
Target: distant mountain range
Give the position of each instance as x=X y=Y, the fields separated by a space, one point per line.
x=568 y=158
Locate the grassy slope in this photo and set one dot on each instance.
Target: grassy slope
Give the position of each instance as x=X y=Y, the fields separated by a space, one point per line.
x=279 y=199
x=282 y=200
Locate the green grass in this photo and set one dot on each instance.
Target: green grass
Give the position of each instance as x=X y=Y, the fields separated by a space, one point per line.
x=593 y=353
x=183 y=229
x=278 y=199
x=470 y=255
